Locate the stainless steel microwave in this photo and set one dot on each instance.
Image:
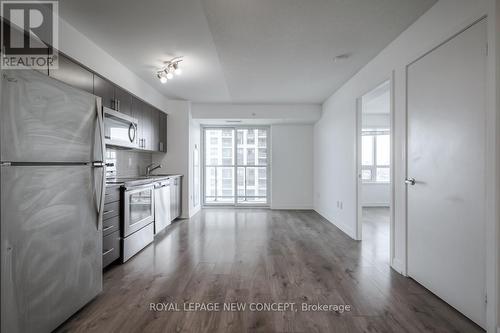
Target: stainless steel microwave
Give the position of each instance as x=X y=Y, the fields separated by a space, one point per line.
x=120 y=130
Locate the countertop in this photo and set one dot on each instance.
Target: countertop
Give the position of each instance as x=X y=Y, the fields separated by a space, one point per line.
x=140 y=180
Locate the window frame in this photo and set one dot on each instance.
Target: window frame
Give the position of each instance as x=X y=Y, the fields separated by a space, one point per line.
x=375 y=132
x=235 y=166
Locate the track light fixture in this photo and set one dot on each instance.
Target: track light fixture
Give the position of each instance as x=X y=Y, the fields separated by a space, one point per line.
x=170 y=68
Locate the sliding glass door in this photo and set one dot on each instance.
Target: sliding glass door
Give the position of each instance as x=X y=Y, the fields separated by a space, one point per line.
x=236 y=165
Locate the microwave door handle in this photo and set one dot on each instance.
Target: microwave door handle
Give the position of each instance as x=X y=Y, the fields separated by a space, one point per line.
x=132 y=130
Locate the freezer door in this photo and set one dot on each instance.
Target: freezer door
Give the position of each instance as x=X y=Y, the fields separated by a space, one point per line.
x=51 y=251
x=45 y=120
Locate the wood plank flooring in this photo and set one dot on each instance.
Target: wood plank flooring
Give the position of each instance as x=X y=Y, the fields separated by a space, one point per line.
x=262 y=256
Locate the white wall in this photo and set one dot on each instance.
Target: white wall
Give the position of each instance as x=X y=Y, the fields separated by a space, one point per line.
x=194 y=141
x=176 y=160
x=375 y=195
x=292 y=166
x=335 y=134
x=493 y=166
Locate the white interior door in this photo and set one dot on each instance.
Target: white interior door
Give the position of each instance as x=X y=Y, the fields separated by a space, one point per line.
x=446 y=157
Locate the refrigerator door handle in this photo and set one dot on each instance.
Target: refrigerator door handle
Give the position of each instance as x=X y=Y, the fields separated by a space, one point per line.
x=101 y=163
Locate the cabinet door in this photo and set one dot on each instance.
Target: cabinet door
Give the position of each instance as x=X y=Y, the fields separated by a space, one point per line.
x=155 y=129
x=123 y=101
x=147 y=127
x=105 y=90
x=73 y=74
x=163 y=132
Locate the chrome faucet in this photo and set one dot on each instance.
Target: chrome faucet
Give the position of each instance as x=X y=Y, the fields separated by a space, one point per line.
x=150 y=168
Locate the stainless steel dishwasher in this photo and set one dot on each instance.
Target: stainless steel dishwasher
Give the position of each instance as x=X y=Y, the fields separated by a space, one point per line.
x=162 y=205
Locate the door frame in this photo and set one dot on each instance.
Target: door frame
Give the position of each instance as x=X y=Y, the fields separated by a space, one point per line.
x=235 y=204
x=359 y=114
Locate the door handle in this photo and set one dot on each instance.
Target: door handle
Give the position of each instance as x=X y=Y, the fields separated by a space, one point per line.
x=100 y=164
x=410 y=181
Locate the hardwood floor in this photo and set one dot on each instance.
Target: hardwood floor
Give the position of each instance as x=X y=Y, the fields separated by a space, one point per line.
x=376 y=245
x=250 y=255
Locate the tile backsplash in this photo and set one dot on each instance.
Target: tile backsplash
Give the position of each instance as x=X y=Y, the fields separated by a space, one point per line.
x=126 y=163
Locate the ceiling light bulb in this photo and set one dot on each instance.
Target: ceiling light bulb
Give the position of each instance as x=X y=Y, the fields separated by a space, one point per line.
x=170 y=75
x=177 y=70
x=163 y=79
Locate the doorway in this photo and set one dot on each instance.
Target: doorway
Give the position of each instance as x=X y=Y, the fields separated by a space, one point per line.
x=236 y=166
x=374 y=173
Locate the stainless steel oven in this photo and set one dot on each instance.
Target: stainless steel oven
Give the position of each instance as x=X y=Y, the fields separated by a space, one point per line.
x=138 y=221
x=138 y=208
x=119 y=129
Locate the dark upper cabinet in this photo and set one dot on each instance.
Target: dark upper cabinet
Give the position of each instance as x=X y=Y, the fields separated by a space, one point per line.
x=147 y=129
x=141 y=111
x=122 y=101
x=104 y=89
x=162 y=128
x=155 y=129
x=73 y=74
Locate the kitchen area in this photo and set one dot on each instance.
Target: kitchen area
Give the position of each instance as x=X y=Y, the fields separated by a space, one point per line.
x=135 y=210
x=80 y=189
x=136 y=204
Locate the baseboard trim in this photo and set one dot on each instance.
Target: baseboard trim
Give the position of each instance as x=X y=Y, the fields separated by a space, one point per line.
x=286 y=207
x=343 y=227
x=195 y=211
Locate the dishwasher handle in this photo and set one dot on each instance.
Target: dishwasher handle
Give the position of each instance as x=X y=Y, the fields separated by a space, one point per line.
x=162 y=184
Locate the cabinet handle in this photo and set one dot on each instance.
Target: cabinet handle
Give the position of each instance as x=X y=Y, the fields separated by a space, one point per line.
x=108 y=251
x=107 y=212
x=107 y=228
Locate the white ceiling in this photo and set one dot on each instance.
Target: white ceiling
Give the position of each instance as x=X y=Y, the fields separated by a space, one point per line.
x=245 y=51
